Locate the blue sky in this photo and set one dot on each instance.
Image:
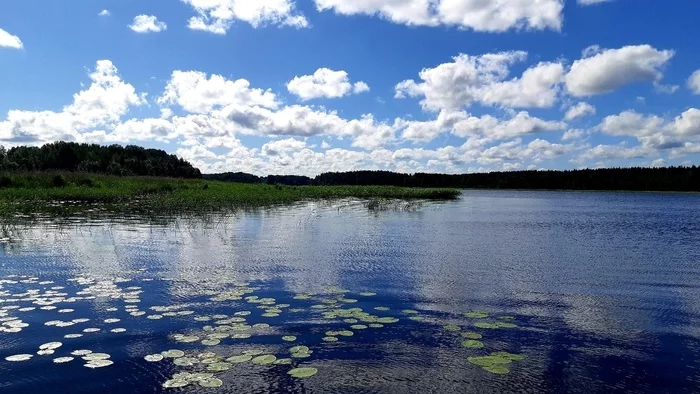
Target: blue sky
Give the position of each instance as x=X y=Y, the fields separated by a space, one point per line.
x=308 y=86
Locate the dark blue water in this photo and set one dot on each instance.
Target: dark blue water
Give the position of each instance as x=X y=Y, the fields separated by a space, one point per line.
x=603 y=291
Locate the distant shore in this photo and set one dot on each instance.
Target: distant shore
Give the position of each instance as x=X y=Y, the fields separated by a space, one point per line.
x=52 y=191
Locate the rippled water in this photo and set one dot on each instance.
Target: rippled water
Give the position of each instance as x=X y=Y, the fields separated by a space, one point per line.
x=604 y=290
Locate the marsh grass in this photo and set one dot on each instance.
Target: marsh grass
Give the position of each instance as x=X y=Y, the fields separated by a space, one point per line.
x=68 y=192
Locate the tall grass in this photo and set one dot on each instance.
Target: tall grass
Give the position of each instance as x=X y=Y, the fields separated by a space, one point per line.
x=41 y=192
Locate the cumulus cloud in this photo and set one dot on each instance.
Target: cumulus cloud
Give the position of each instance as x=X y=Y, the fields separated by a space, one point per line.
x=483 y=79
x=147 y=24
x=8 y=40
x=478 y=15
x=195 y=92
x=104 y=12
x=217 y=16
x=607 y=70
x=325 y=83
x=694 y=82
x=487 y=127
x=655 y=132
x=101 y=105
x=579 y=110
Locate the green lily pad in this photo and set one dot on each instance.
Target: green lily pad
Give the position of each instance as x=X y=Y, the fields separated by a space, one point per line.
x=218 y=367
x=417 y=318
x=211 y=382
x=264 y=360
x=387 y=320
x=175 y=383
x=486 y=326
x=283 y=361
x=452 y=327
x=358 y=327
x=472 y=344
x=253 y=352
x=239 y=359
x=410 y=312
x=376 y=325
x=497 y=369
x=381 y=308
x=330 y=339
x=302 y=372
x=289 y=338
x=173 y=353
x=471 y=335
x=346 y=333
x=477 y=314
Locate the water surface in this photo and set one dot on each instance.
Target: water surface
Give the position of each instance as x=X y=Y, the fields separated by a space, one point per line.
x=602 y=288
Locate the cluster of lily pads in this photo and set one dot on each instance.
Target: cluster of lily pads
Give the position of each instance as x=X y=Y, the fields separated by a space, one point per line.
x=220 y=329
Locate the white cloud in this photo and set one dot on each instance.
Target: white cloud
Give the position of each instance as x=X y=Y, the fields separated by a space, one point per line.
x=479 y=15
x=694 y=82
x=464 y=125
x=482 y=79
x=325 y=83
x=101 y=105
x=217 y=16
x=278 y=147
x=572 y=135
x=104 y=12
x=194 y=92
x=147 y=24
x=579 y=110
x=610 y=69
x=8 y=40
x=653 y=131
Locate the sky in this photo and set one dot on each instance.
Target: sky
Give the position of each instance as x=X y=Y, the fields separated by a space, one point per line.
x=309 y=86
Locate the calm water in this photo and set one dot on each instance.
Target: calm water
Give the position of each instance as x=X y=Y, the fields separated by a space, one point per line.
x=603 y=290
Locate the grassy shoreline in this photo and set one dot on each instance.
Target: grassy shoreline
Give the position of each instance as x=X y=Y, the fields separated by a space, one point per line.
x=41 y=192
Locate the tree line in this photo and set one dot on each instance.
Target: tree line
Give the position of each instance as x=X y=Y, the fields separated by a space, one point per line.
x=634 y=179
x=137 y=161
x=130 y=160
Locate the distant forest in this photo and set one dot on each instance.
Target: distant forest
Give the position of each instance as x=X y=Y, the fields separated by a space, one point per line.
x=112 y=160
x=634 y=179
x=137 y=161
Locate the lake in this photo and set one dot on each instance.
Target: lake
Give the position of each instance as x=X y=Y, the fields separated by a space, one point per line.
x=498 y=292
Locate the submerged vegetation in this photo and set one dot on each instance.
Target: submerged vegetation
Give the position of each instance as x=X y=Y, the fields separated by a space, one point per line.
x=60 y=192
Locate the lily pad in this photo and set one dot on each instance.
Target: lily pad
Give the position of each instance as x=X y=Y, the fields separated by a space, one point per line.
x=154 y=358
x=62 y=360
x=477 y=314
x=330 y=339
x=497 y=369
x=239 y=359
x=283 y=361
x=452 y=327
x=368 y=294
x=358 y=327
x=98 y=363
x=289 y=338
x=19 y=357
x=173 y=353
x=175 y=383
x=471 y=335
x=472 y=344
x=302 y=372
x=264 y=360
x=218 y=367
x=211 y=382
x=381 y=308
